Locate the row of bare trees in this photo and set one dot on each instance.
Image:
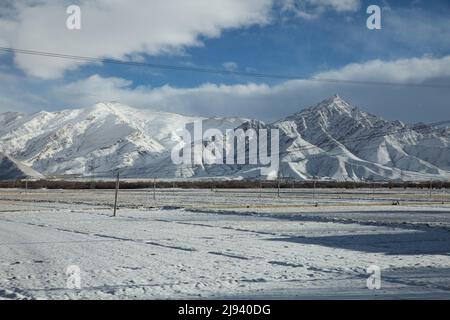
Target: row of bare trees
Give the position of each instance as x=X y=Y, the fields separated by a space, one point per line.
x=217 y=184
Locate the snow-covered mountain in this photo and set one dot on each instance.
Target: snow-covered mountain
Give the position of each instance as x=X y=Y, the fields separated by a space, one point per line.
x=98 y=139
x=332 y=140
x=348 y=143
x=11 y=169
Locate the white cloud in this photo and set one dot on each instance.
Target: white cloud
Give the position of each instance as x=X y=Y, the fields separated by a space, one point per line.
x=311 y=9
x=415 y=70
x=261 y=101
x=127 y=29
x=18 y=94
x=271 y=102
x=6 y=31
x=230 y=66
x=338 y=5
x=115 y=28
x=417 y=27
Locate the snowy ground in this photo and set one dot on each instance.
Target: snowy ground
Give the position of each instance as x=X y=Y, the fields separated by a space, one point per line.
x=224 y=244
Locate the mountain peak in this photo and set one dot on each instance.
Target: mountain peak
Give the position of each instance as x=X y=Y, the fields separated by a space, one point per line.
x=336 y=96
x=111 y=108
x=335 y=102
x=107 y=105
x=330 y=106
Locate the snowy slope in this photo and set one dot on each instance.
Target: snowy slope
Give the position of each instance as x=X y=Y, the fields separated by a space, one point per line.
x=8 y=118
x=97 y=139
x=356 y=145
x=332 y=140
x=11 y=169
x=335 y=140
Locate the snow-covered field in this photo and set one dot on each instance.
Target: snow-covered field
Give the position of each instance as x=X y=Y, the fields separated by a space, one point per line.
x=223 y=244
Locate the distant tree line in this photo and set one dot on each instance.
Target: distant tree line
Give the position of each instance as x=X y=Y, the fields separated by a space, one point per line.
x=218 y=184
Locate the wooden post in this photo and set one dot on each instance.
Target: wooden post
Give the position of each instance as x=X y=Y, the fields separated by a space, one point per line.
x=93 y=181
x=443 y=194
x=260 y=189
x=117 y=193
x=154 y=189
x=173 y=189
x=314 y=192
x=278 y=187
x=431 y=189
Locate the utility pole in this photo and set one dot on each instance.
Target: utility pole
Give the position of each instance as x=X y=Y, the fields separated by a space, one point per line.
x=278 y=187
x=431 y=189
x=314 y=191
x=154 y=189
x=278 y=182
x=93 y=176
x=444 y=191
x=260 y=189
x=117 y=192
x=173 y=189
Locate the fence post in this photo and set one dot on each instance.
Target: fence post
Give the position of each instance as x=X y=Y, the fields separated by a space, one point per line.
x=154 y=189
x=117 y=192
x=278 y=187
x=260 y=189
x=314 y=192
x=431 y=189
x=316 y=203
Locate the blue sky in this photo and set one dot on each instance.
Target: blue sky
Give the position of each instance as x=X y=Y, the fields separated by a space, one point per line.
x=304 y=38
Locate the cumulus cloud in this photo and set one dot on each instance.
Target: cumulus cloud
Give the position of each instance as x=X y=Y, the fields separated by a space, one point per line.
x=415 y=70
x=129 y=29
x=116 y=29
x=272 y=102
x=417 y=27
x=310 y=9
x=19 y=94
x=338 y=5
x=253 y=100
x=135 y=28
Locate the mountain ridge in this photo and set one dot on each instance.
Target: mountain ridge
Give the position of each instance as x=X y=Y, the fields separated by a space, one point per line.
x=330 y=140
x=11 y=169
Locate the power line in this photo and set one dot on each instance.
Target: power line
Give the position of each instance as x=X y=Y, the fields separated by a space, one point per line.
x=218 y=71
